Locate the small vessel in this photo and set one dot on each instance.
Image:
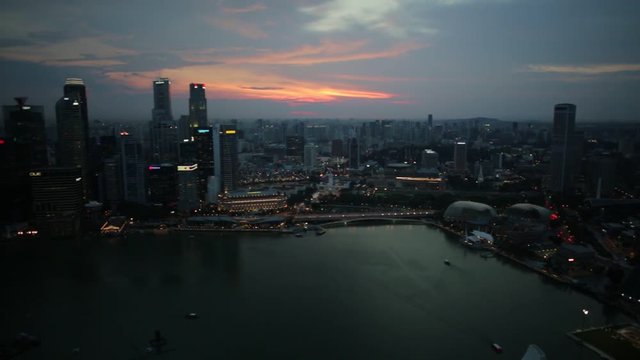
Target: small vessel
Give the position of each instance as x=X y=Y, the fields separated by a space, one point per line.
x=192 y=316
x=497 y=348
x=447 y=262
x=299 y=234
x=320 y=231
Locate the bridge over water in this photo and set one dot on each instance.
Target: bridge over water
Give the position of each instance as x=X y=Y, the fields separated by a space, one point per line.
x=419 y=216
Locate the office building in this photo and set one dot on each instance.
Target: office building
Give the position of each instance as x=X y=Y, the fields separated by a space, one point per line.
x=112 y=181
x=203 y=140
x=133 y=169
x=73 y=130
x=188 y=188
x=162 y=184
x=429 y=159
x=226 y=157
x=460 y=156
x=565 y=148
x=354 y=153
x=75 y=88
x=197 y=106
x=163 y=130
x=57 y=195
x=24 y=127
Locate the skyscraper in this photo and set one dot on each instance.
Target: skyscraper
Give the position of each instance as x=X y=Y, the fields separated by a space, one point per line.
x=73 y=131
x=132 y=169
x=163 y=129
x=57 y=200
x=24 y=127
x=71 y=150
x=22 y=149
x=460 y=156
x=197 y=106
x=226 y=157
x=187 y=188
x=74 y=88
x=162 y=99
x=565 y=148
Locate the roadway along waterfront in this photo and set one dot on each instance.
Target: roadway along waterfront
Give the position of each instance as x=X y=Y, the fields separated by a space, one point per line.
x=376 y=292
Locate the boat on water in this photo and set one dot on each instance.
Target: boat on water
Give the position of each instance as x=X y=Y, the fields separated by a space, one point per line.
x=447 y=262
x=497 y=348
x=320 y=231
x=299 y=234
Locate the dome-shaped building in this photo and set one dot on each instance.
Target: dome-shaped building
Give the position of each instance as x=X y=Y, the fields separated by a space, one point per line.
x=470 y=212
x=528 y=212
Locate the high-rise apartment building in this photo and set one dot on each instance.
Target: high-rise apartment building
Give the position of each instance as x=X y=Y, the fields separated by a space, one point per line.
x=226 y=157
x=163 y=130
x=310 y=156
x=197 y=106
x=75 y=88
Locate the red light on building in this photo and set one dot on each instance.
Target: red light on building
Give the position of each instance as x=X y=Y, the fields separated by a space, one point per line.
x=554 y=217
x=1 y=141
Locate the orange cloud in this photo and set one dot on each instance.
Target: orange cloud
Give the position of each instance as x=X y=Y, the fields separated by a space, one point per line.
x=231 y=82
x=326 y=52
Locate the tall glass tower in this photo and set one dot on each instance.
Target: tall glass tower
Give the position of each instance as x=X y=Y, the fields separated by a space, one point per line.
x=226 y=157
x=565 y=149
x=197 y=106
x=163 y=129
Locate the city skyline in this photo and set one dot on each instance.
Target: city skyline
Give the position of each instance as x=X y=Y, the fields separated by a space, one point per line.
x=510 y=59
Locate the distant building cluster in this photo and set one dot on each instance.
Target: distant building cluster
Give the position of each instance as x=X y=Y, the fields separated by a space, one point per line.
x=194 y=165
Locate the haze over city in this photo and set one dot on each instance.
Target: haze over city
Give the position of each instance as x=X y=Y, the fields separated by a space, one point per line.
x=511 y=59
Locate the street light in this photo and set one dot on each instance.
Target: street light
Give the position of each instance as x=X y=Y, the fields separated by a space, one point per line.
x=585 y=312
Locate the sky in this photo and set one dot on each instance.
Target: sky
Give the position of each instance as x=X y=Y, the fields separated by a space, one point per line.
x=362 y=59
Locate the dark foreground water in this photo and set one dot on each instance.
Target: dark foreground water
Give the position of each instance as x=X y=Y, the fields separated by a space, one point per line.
x=378 y=292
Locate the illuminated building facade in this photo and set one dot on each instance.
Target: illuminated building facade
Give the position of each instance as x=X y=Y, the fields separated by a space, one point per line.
x=252 y=201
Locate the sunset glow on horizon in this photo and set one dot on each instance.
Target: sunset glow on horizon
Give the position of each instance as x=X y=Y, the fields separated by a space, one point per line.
x=453 y=58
